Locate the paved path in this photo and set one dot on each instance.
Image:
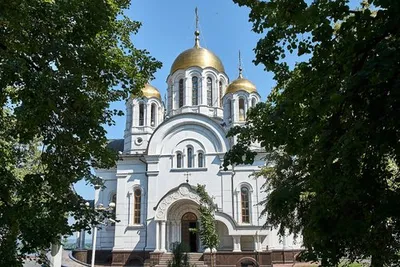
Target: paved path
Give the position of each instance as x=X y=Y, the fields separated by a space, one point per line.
x=67 y=262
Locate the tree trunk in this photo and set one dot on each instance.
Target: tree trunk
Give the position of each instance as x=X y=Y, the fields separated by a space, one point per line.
x=377 y=261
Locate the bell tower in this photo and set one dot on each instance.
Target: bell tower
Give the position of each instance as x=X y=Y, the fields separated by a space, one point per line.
x=143 y=115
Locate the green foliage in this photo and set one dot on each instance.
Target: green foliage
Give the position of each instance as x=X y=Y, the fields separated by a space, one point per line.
x=180 y=256
x=330 y=126
x=208 y=230
x=61 y=64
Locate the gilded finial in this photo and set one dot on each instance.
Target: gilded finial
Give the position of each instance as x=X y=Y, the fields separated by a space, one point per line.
x=197 y=32
x=240 y=66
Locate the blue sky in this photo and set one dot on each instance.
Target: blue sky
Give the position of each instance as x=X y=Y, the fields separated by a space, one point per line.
x=168 y=29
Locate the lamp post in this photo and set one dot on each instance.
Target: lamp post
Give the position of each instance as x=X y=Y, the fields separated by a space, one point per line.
x=100 y=207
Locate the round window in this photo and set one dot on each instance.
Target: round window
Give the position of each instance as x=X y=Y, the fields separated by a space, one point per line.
x=139 y=141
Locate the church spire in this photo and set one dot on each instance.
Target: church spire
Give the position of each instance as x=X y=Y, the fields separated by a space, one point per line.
x=240 y=66
x=197 y=32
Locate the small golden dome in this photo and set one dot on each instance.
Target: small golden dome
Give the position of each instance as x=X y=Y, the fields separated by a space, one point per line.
x=241 y=84
x=197 y=56
x=150 y=91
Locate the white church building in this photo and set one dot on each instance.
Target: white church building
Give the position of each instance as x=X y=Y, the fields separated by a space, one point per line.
x=169 y=148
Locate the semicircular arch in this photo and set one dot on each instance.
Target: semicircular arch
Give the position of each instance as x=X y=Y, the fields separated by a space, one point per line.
x=199 y=125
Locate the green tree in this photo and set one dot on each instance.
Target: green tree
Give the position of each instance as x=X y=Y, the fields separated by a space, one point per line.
x=207 y=230
x=330 y=126
x=180 y=256
x=61 y=65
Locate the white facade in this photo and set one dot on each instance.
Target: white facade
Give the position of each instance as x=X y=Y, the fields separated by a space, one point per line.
x=164 y=156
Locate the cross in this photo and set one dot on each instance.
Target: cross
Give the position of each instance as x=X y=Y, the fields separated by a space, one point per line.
x=197 y=19
x=240 y=60
x=240 y=65
x=187 y=174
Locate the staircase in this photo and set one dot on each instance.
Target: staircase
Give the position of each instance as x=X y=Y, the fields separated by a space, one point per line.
x=195 y=259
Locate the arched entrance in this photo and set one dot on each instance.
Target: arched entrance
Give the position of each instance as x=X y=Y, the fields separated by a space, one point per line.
x=189 y=237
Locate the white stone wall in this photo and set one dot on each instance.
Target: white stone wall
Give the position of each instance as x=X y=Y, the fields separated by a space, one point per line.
x=151 y=165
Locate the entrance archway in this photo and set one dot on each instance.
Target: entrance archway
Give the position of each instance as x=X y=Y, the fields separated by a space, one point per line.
x=189 y=237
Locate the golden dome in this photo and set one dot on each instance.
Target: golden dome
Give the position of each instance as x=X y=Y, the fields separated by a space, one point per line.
x=197 y=56
x=241 y=84
x=150 y=91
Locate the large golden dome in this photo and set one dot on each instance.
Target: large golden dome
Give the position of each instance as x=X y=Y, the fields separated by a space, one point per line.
x=197 y=56
x=150 y=91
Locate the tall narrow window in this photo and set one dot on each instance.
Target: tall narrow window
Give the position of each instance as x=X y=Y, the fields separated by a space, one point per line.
x=200 y=158
x=153 y=114
x=137 y=204
x=242 y=112
x=190 y=157
x=113 y=199
x=181 y=93
x=253 y=102
x=179 y=160
x=244 y=192
x=209 y=91
x=195 y=91
x=229 y=109
x=220 y=94
x=141 y=114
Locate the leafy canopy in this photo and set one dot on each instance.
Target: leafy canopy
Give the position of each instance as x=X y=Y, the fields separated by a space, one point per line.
x=330 y=125
x=61 y=64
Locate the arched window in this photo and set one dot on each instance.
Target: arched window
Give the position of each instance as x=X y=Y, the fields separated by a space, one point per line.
x=244 y=193
x=195 y=91
x=141 y=114
x=179 y=160
x=242 y=112
x=136 y=205
x=220 y=94
x=253 y=102
x=181 y=93
x=200 y=159
x=190 y=157
x=229 y=109
x=153 y=114
x=209 y=91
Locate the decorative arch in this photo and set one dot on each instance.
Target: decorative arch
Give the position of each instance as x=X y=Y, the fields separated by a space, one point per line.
x=135 y=261
x=183 y=192
x=227 y=220
x=246 y=184
x=245 y=261
x=191 y=140
x=210 y=130
x=194 y=71
x=181 y=207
